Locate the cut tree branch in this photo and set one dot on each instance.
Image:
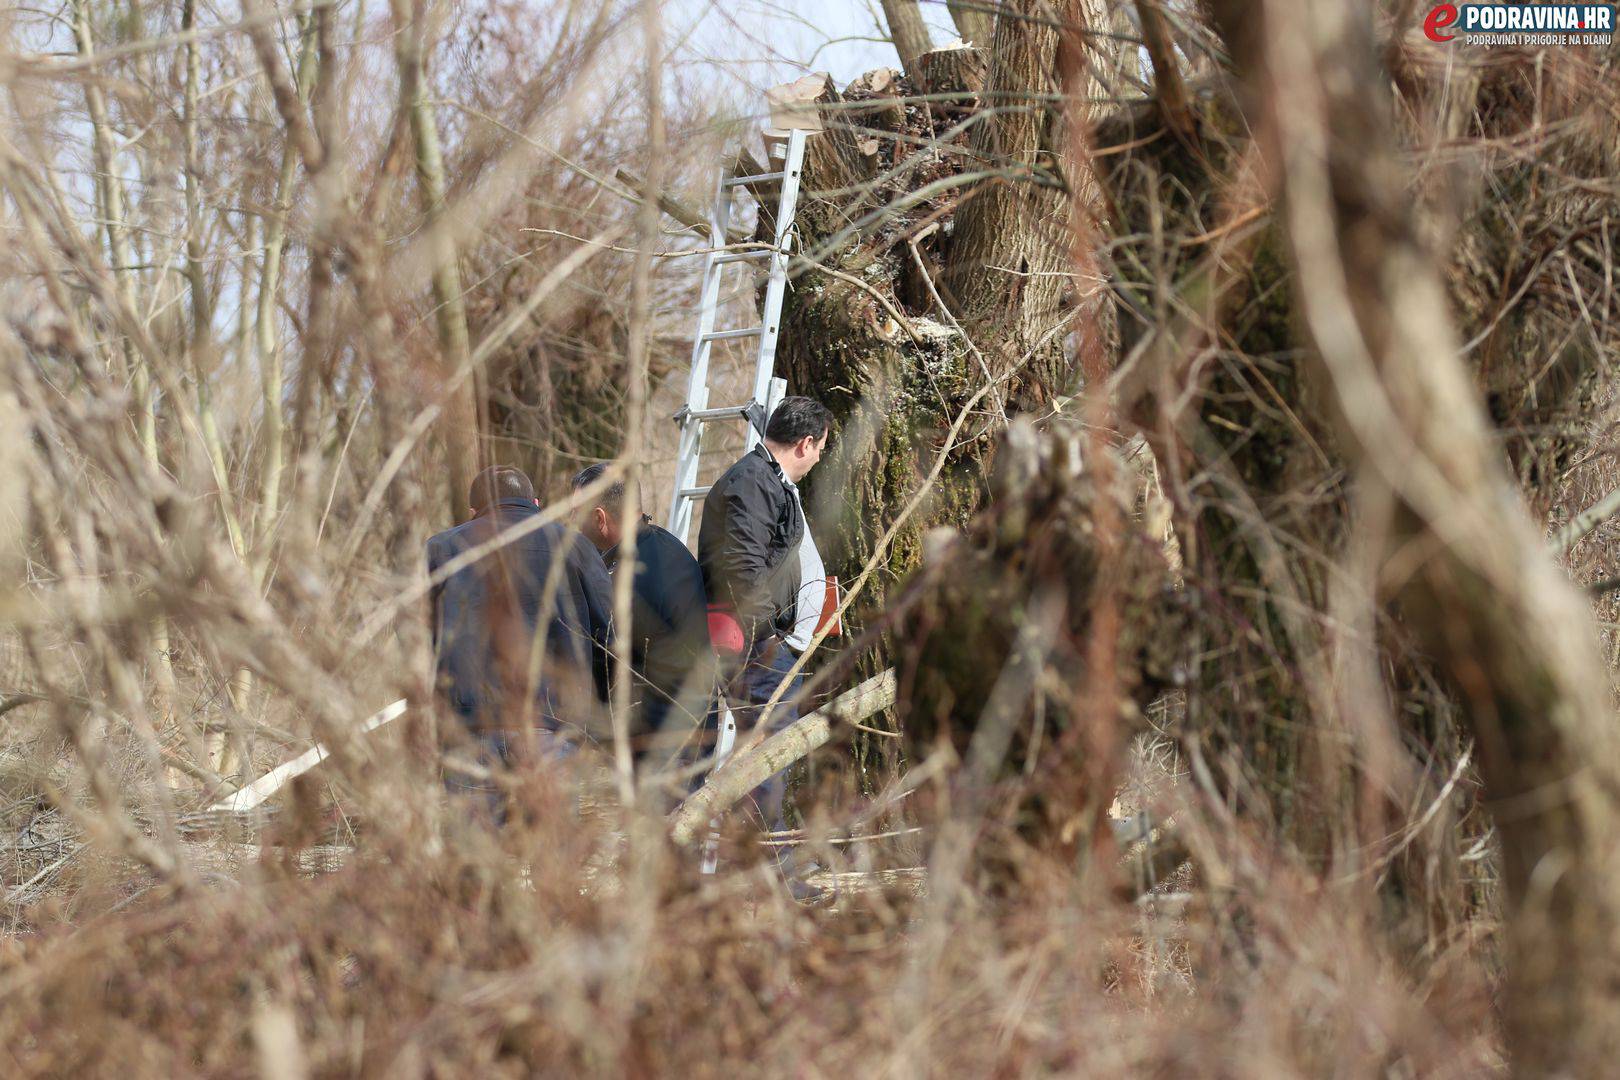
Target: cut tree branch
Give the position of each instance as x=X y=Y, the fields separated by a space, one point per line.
x=746 y=770
x=1582 y=524
x=1169 y=88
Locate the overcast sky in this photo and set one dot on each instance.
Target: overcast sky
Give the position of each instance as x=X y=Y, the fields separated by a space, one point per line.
x=763 y=42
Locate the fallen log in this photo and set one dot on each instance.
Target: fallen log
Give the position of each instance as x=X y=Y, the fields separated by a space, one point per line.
x=746 y=770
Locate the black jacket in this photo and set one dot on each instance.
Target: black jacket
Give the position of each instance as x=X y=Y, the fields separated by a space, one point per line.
x=748 y=544
x=669 y=642
x=487 y=614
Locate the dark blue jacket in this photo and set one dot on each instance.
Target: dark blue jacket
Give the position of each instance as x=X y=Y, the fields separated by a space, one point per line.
x=669 y=644
x=487 y=615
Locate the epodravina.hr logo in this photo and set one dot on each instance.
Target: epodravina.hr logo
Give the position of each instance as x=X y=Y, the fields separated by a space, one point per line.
x=1528 y=24
x=1442 y=16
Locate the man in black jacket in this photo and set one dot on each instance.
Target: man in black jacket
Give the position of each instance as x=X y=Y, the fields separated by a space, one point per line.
x=762 y=572
x=516 y=675
x=670 y=654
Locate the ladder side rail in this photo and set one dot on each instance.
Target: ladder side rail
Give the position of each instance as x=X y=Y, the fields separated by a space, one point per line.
x=776 y=283
x=697 y=387
x=723 y=746
x=686 y=471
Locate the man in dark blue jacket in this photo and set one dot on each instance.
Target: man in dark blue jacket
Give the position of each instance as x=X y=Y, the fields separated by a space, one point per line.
x=670 y=655
x=521 y=632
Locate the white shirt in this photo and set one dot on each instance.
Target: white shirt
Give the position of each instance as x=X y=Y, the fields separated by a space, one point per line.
x=812 y=584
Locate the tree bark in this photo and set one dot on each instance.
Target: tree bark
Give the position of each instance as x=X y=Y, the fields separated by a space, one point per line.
x=1007 y=267
x=975 y=20
x=908 y=31
x=956 y=70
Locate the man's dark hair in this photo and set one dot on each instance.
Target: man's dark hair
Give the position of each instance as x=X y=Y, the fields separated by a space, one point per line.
x=611 y=498
x=496 y=483
x=797 y=417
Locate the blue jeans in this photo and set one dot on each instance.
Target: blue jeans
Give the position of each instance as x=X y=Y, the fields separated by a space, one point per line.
x=767 y=666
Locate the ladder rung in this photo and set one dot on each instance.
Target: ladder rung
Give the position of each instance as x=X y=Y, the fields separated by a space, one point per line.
x=757 y=178
x=693 y=492
x=728 y=335
x=739 y=256
x=726 y=412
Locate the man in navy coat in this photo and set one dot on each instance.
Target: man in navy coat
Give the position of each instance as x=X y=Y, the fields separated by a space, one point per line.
x=521 y=632
x=670 y=656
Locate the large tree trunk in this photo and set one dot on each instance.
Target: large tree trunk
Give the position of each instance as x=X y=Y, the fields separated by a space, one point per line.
x=974 y=20
x=1218 y=384
x=1007 y=270
x=945 y=269
x=908 y=31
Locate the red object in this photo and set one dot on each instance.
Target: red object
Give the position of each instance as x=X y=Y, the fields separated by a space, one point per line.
x=829 y=609
x=725 y=632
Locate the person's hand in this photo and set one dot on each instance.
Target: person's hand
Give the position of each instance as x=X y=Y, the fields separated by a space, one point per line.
x=725 y=632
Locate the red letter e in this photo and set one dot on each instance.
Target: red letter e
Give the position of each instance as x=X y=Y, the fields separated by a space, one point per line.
x=1440 y=18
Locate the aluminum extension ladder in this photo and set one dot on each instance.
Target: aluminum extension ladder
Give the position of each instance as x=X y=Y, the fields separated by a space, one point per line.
x=697 y=413
x=767 y=390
